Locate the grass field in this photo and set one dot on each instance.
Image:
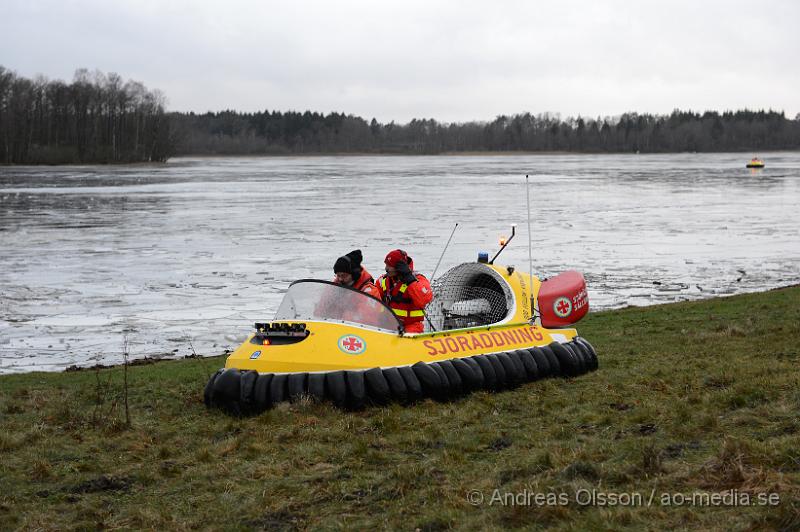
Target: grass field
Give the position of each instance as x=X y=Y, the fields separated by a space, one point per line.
x=694 y=412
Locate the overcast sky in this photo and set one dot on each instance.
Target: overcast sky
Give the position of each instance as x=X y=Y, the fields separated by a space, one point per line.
x=454 y=61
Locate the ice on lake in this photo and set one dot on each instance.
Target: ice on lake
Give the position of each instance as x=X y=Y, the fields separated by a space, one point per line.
x=187 y=255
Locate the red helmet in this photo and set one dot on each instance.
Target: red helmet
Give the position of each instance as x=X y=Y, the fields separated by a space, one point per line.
x=395 y=256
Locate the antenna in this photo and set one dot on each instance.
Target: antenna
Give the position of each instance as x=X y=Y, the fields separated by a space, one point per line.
x=530 y=247
x=433 y=275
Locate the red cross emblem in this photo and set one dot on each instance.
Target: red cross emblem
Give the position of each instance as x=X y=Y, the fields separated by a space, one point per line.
x=562 y=307
x=352 y=344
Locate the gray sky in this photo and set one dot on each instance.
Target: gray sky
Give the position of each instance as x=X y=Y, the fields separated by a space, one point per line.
x=453 y=61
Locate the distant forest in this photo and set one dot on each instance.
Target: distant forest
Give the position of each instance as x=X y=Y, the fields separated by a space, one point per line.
x=98 y=118
x=232 y=133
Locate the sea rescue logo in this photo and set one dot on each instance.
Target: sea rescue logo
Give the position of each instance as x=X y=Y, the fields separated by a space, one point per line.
x=562 y=307
x=352 y=344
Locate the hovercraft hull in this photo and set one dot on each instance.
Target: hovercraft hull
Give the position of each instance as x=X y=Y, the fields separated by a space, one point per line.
x=245 y=391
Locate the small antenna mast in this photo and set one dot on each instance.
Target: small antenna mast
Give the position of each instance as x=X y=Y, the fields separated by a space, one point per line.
x=433 y=275
x=530 y=247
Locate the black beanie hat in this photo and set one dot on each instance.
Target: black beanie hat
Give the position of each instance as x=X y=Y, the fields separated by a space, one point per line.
x=350 y=263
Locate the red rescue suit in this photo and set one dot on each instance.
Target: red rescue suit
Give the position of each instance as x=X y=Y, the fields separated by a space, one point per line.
x=407 y=301
x=364 y=283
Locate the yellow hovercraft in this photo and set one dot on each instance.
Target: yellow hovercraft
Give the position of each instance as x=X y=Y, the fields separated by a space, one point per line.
x=332 y=342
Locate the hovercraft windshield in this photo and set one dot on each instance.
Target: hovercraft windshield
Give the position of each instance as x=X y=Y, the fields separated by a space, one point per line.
x=312 y=299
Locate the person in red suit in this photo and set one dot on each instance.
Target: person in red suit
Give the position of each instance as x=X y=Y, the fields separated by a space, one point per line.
x=405 y=291
x=337 y=304
x=350 y=273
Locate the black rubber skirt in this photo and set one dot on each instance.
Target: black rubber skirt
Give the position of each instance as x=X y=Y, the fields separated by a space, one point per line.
x=249 y=392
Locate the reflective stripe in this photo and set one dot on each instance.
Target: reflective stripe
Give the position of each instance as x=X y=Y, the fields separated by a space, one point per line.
x=397 y=295
x=406 y=314
x=402 y=289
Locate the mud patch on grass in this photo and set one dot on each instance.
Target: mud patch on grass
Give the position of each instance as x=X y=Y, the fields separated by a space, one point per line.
x=279 y=521
x=500 y=443
x=676 y=449
x=620 y=407
x=103 y=483
x=582 y=470
x=645 y=429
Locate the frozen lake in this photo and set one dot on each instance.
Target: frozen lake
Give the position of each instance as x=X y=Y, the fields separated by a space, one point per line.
x=200 y=248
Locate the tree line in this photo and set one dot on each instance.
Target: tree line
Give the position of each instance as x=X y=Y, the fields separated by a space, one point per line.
x=97 y=118
x=275 y=132
x=100 y=118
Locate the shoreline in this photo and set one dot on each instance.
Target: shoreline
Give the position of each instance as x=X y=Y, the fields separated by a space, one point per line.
x=487 y=153
x=148 y=360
